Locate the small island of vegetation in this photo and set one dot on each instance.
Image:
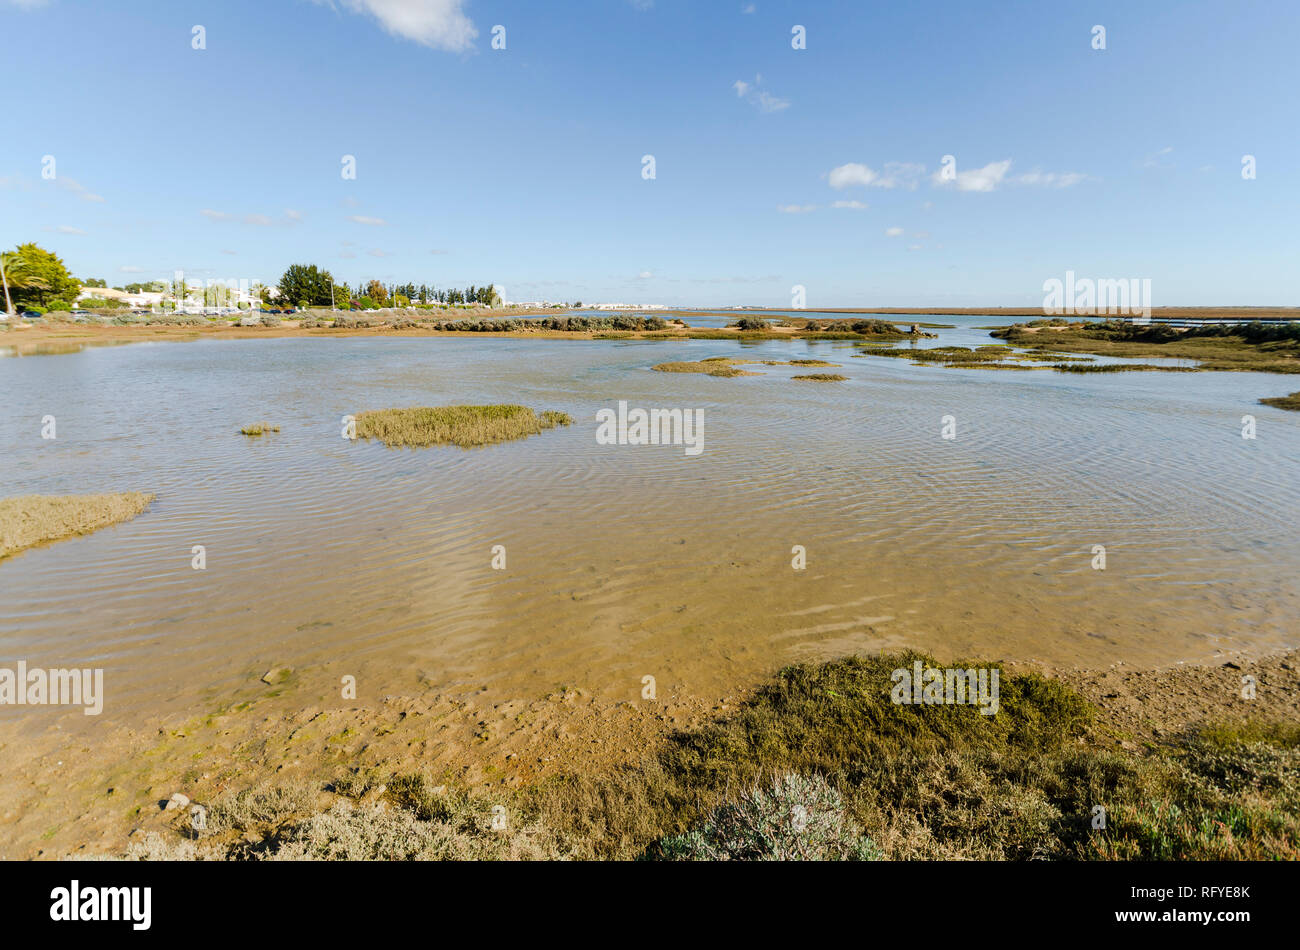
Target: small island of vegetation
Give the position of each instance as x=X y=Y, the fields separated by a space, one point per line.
x=464 y=426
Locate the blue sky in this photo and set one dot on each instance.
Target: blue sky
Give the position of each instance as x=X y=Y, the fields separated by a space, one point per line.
x=774 y=166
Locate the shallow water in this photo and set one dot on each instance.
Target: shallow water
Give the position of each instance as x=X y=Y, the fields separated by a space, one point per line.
x=340 y=557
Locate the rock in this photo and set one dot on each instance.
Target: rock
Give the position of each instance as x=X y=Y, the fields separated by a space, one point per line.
x=176 y=801
x=277 y=675
x=250 y=321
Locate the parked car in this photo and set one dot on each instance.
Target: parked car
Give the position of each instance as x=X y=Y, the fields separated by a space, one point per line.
x=31 y=315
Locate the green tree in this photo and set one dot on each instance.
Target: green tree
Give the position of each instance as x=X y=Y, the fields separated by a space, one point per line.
x=305 y=283
x=37 y=276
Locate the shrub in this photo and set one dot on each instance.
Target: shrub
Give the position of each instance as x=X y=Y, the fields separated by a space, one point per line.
x=751 y=323
x=795 y=819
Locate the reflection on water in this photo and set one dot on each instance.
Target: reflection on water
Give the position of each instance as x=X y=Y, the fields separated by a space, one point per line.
x=348 y=558
x=51 y=348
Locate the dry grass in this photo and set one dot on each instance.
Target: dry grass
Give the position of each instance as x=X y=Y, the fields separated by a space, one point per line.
x=465 y=426
x=29 y=520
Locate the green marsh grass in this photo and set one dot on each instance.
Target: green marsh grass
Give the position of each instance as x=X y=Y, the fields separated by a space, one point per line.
x=714 y=366
x=259 y=428
x=464 y=426
x=29 y=520
x=1284 y=402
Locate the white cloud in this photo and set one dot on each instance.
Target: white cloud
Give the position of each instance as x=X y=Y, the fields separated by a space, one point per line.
x=796 y=209
x=914 y=247
x=748 y=8
x=852 y=205
x=66 y=229
x=900 y=175
x=131 y=269
x=759 y=98
x=231 y=253
x=77 y=188
x=438 y=24
x=1051 y=179
x=376 y=252
x=846 y=176
x=364 y=219
x=1153 y=160
x=894 y=175
x=644 y=275
x=439 y=250
x=976 y=179
x=893 y=232
x=254 y=219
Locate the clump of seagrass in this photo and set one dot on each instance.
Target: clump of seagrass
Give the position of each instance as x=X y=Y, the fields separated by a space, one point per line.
x=258 y=428
x=465 y=426
x=29 y=520
x=822 y=377
x=713 y=366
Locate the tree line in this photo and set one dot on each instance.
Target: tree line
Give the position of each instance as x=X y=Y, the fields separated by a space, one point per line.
x=306 y=285
x=34 y=278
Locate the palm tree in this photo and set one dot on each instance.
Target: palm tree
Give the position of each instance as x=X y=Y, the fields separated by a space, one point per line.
x=18 y=275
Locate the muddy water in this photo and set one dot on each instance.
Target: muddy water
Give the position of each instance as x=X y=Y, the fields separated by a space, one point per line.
x=346 y=558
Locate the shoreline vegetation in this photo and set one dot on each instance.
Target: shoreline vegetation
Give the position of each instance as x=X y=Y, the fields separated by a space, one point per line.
x=871 y=778
x=28 y=521
x=463 y=426
x=1248 y=347
x=55 y=327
